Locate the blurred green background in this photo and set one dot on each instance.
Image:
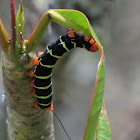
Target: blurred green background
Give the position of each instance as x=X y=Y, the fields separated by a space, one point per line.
x=117 y=25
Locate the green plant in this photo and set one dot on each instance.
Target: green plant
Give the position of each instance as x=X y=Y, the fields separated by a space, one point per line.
x=17 y=61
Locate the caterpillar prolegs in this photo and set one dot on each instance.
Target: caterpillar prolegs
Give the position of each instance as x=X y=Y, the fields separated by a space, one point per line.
x=47 y=60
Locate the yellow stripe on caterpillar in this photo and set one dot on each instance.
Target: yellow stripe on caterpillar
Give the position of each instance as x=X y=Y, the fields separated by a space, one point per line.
x=63 y=44
x=46 y=87
x=44 y=104
x=44 y=77
x=47 y=66
x=50 y=52
x=45 y=97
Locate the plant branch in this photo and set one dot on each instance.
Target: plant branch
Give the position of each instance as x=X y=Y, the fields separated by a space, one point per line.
x=36 y=35
x=4 y=37
x=13 y=27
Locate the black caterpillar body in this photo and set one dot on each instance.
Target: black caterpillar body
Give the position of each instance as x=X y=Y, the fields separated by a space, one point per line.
x=54 y=51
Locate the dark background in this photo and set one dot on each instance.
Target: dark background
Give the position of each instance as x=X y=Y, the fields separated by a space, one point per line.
x=117 y=24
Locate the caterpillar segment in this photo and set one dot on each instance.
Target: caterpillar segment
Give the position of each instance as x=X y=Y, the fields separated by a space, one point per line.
x=46 y=62
x=87 y=38
x=40 y=53
x=71 y=34
x=49 y=108
x=35 y=61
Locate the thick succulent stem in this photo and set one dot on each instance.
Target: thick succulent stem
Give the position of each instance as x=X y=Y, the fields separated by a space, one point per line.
x=25 y=122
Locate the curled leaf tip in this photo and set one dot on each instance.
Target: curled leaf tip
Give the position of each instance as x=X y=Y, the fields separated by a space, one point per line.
x=21 y=6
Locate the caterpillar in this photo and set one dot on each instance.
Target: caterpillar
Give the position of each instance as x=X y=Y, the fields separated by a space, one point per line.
x=47 y=60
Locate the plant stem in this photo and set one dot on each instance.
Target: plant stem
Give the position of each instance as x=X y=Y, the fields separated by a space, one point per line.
x=13 y=27
x=25 y=122
x=4 y=37
x=36 y=35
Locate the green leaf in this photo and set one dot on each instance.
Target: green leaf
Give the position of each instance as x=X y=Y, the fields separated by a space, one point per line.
x=96 y=102
x=103 y=129
x=77 y=21
x=20 y=20
x=71 y=19
x=17 y=29
x=20 y=29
